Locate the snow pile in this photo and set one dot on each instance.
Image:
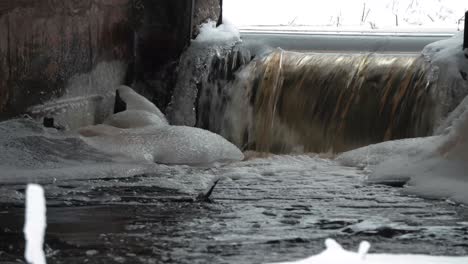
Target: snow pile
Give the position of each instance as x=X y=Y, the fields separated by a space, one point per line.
x=335 y=254
x=433 y=167
x=142 y=133
x=35 y=224
x=225 y=32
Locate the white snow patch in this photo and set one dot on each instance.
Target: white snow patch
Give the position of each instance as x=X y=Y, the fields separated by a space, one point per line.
x=335 y=254
x=225 y=32
x=35 y=224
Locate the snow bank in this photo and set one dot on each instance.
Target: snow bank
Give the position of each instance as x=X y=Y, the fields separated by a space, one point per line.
x=335 y=254
x=225 y=32
x=433 y=167
x=35 y=224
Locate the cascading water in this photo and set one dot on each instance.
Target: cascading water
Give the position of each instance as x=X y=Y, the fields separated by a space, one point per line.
x=319 y=102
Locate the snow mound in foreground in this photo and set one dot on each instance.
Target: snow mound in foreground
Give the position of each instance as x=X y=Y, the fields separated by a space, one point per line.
x=168 y=145
x=335 y=254
x=135 y=118
x=432 y=167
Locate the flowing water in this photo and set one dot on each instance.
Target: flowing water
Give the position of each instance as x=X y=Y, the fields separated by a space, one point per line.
x=105 y=209
x=312 y=102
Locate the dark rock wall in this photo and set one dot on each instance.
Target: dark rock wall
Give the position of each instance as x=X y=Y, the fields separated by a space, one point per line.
x=64 y=58
x=162 y=38
x=205 y=10
x=163 y=30
x=45 y=43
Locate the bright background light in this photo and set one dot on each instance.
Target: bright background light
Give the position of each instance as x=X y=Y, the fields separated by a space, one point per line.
x=361 y=15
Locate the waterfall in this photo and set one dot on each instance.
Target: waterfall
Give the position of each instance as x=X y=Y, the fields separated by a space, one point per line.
x=319 y=102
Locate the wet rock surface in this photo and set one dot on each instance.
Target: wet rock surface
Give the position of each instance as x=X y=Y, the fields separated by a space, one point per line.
x=271 y=209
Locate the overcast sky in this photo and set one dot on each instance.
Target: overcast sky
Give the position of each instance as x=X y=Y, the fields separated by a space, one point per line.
x=380 y=13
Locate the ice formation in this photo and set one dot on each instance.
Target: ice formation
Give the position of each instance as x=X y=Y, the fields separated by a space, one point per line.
x=35 y=224
x=437 y=166
x=169 y=145
x=206 y=56
x=135 y=118
x=451 y=70
x=134 y=101
x=145 y=135
x=335 y=254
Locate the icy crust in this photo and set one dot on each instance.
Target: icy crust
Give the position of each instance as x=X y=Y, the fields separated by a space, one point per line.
x=335 y=254
x=451 y=70
x=433 y=167
x=169 y=145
